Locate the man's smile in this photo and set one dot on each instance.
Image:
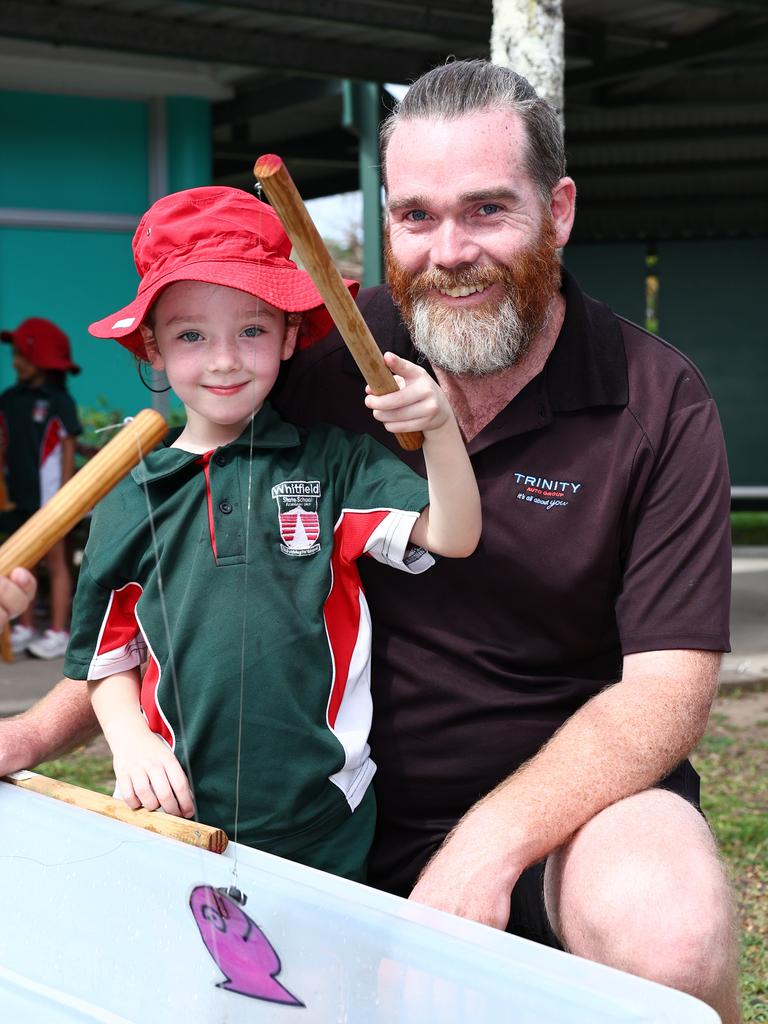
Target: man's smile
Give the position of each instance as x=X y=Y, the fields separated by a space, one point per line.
x=462 y=291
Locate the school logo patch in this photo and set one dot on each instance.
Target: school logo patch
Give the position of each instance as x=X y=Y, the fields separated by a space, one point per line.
x=40 y=410
x=297 y=504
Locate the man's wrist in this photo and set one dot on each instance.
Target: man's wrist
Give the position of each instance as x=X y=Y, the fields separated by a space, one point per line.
x=20 y=745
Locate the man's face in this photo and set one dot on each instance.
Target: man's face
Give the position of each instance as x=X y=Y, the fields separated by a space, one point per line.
x=471 y=247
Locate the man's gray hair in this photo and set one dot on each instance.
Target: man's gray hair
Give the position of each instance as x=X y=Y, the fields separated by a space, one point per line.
x=464 y=87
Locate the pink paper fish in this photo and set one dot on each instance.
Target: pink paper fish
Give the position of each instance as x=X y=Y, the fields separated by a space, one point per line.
x=239 y=947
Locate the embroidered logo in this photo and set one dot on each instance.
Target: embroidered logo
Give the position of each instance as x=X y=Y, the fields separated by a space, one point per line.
x=542 y=491
x=297 y=502
x=40 y=410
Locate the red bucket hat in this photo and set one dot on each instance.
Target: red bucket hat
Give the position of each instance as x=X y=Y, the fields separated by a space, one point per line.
x=43 y=344
x=218 y=235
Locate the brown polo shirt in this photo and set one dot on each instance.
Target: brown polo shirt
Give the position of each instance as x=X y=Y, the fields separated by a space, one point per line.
x=605 y=532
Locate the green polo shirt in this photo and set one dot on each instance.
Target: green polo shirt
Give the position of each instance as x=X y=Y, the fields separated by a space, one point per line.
x=254 y=548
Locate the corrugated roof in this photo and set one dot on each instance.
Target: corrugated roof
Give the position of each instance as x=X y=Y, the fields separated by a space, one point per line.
x=666 y=102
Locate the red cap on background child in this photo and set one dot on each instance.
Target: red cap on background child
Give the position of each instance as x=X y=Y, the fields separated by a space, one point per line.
x=223 y=236
x=43 y=344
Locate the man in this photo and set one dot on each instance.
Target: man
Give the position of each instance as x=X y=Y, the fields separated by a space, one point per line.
x=535 y=704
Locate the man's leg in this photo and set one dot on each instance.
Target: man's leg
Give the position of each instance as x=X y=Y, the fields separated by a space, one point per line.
x=641 y=887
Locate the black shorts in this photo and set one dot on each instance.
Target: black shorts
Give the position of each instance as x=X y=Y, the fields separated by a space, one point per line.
x=528 y=917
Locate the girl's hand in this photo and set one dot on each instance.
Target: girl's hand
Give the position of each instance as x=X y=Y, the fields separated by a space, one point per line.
x=148 y=773
x=418 y=405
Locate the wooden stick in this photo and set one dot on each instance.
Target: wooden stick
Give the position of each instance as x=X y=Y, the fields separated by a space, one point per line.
x=192 y=832
x=28 y=545
x=282 y=193
x=68 y=506
x=6 y=650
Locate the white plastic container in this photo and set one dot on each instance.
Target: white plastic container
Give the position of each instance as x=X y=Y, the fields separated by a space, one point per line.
x=96 y=925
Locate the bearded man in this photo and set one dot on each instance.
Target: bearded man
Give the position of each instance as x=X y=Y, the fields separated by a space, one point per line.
x=534 y=705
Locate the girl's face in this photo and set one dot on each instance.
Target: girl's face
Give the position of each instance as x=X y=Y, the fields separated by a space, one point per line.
x=221 y=350
x=26 y=372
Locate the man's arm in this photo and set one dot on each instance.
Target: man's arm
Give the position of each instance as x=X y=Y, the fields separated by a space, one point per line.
x=60 y=721
x=622 y=741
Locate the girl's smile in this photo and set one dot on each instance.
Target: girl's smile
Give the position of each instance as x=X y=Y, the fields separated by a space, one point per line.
x=221 y=350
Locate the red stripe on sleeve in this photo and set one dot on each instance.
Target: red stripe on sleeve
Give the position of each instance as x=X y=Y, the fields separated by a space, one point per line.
x=54 y=434
x=150 y=707
x=342 y=606
x=121 y=625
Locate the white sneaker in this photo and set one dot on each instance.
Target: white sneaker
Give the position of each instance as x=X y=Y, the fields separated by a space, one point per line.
x=22 y=637
x=52 y=644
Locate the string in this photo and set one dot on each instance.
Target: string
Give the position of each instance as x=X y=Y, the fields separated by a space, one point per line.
x=239 y=744
x=166 y=622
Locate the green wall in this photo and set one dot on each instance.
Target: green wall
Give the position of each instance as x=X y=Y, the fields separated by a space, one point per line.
x=85 y=155
x=708 y=308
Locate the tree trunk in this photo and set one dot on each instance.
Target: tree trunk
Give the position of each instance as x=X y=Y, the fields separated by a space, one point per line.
x=527 y=36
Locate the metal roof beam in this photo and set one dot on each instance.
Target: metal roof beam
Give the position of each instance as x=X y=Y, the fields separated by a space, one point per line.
x=713 y=42
x=336 y=146
x=745 y=6
x=666 y=168
x=610 y=134
x=436 y=21
x=139 y=34
x=274 y=96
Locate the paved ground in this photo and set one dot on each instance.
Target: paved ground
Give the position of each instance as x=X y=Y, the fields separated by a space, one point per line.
x=27 y=679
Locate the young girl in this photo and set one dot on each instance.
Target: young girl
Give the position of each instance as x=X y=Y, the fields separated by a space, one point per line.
x=241 y=591
x=38 y=426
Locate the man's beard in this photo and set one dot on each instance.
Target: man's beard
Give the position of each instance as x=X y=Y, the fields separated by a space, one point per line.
x=491 y=335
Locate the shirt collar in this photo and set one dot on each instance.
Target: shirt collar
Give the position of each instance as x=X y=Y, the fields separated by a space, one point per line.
x=588 y=365
x=269 y=431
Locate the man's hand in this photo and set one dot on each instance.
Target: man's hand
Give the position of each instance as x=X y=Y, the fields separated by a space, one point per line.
x=16 y=593
x=470 y=874
x=148 y=773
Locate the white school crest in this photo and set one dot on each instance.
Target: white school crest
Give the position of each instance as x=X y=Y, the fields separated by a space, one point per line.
x=297 y=502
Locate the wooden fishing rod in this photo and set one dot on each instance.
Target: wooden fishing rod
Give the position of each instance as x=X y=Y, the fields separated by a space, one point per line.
x=272 y=174
x=193 y=833
x=77 y=497
x=32 y=541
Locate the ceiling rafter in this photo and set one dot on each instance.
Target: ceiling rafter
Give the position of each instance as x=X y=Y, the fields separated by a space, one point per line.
x=129 y=32
x=716 y=42
x=438 y=21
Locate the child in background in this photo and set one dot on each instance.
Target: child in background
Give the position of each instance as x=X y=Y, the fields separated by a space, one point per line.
x=242 y=592
x=38 y=427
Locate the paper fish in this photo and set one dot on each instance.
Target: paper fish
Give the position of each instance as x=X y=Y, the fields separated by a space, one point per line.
x=239 y=947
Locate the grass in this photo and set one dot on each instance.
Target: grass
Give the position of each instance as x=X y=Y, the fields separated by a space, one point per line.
x=731 y=760
x=750 y=528
x=83 y=767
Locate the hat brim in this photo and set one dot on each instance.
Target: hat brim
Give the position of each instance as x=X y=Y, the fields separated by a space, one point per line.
x=286 y=288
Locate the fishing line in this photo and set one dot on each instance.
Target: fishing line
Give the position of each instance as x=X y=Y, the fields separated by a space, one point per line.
x=166 y=622
x=239 y=743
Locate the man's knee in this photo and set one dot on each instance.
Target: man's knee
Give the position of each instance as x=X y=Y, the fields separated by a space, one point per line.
x=641 y=887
